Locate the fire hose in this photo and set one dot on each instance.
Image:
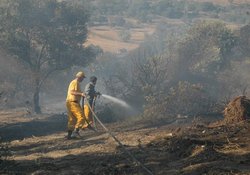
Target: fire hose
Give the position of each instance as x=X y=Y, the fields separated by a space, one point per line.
x=137 y=162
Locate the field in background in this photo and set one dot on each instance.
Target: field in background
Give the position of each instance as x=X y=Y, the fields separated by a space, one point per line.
x=223 y=2
x=108 y=37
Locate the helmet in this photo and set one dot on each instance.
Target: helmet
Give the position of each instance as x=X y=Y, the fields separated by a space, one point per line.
x=80 y=74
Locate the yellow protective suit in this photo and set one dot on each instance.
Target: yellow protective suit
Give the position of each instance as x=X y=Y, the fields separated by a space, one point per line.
x=88 y=114
x=76 y=117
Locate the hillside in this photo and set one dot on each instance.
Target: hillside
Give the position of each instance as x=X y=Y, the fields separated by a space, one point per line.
x=223 y=2
x=106 y=30
x=108 y=37
x=170 y=146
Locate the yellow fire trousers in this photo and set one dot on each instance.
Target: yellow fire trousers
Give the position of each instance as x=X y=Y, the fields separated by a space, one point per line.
x=76 y=117
x=88 y=114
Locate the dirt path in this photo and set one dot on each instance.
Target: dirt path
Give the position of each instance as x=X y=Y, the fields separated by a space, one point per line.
x=162 y=147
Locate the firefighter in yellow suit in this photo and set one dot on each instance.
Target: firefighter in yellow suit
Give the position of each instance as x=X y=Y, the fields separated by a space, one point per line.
x=91 y=94
x=76 y=117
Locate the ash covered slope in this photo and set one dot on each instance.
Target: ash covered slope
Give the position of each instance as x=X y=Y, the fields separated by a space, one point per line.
x=173 y=146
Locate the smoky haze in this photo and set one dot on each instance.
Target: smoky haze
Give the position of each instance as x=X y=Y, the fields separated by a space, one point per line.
x=173 y=79
x=163 y=58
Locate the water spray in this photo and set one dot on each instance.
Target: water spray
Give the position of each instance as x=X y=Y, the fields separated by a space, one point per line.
x=116 y=100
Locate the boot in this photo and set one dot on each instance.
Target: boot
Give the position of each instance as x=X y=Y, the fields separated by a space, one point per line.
x=69 y=134
x=76 y=133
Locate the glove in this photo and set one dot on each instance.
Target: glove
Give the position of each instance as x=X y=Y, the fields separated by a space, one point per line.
x=98 y=94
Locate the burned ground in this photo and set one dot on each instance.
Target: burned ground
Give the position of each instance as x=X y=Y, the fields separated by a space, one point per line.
x=166 y=146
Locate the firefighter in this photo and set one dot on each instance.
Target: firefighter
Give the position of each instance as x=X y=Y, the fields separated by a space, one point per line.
x=76 y=117
x=89 y=101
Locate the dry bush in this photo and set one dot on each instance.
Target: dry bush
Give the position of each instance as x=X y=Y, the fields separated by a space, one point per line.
x=15 y=82
x=185 y=98
x=237 y=110
x=107 y=114
x=4 y=154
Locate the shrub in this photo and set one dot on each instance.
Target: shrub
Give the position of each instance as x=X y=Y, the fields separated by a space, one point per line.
x=207 y=6
x=106 y=115
x=125 y=35
x=185 y=98
x=4 y=154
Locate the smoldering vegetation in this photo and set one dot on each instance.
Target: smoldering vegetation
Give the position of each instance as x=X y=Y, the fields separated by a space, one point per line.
x=181 y=70
x=188 y=67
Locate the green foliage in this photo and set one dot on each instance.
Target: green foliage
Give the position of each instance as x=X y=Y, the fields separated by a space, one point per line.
x=194 y=75
x=46 y=29
x=169 y=8
x=111 y=7
x=227 y=41
x=139 y=9
x=98 y=20
x=47 y=36
x=207 y=6
x=244 y=40
x=236 y=14
x=174 y=13
x=208 y=42
x=147 y=10
x=205 y=51
x=125 y=35
x=118 y=21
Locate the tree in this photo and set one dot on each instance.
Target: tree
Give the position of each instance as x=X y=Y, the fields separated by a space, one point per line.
x=125 y=35
x=140 y=10
x=230 y=1
x=205 y=50
x=47 y=36
x=245 y=40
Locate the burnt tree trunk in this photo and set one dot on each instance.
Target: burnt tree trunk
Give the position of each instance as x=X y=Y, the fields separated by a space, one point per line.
x=36 y=104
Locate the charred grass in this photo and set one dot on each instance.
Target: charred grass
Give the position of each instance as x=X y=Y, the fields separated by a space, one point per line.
x=193 y=148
